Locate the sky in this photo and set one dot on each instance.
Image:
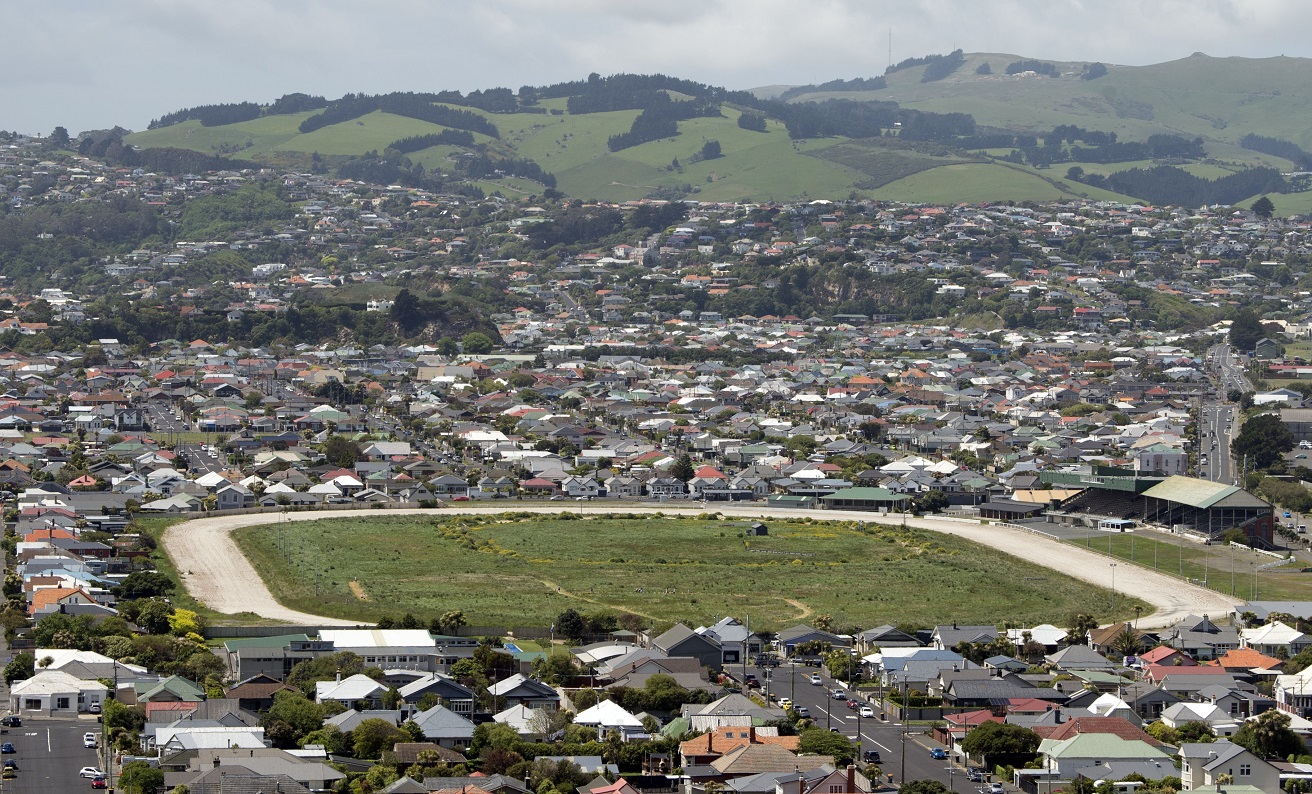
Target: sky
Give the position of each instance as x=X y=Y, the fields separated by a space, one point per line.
x=93 y=64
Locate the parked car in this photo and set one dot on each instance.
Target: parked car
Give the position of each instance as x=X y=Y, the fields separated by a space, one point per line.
x=10 y=763
x=804 y=712
x=11 y=721
x=7 y=748
x=996 y=788
x=89 y=740
x=91 y=771
x=974 y=775
x=938 y=753
x=870 y=756
x=867 y=712
x=94 y=708
x=815 y=680
x=838 y=694
x=852 y=704
x=99 y=782
x=786 y=702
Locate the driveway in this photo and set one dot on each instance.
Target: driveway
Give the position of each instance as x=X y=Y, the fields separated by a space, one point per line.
x=216 y=573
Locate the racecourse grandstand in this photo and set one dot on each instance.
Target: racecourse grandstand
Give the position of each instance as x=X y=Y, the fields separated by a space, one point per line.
x=1175 y=503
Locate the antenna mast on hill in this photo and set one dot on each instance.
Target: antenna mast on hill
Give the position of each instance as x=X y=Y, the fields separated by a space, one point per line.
x=890 y=47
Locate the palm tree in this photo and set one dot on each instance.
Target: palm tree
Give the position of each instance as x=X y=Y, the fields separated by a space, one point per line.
x=1128 y=642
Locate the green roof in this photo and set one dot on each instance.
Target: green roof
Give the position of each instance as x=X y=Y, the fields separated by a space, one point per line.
x=867 y=495
x=1101 y=745
x=1202 y=493
x=276 y=641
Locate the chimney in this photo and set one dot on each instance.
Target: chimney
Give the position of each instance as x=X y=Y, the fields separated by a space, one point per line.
x=851 y=779
x=216 y=761
x=751 y=734
x=801 y=780
x=1057 y=713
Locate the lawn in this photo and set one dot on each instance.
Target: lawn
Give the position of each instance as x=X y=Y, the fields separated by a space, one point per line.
x=520 y=569
x=1224 y=568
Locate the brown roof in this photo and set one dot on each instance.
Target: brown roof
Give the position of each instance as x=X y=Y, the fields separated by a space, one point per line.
x=408 y=752
x=258 y=688
x=1114 y=725
x=751 y=759
x=725 y=739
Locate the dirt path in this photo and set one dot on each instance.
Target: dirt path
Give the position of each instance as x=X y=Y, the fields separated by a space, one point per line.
x=219 y=575
x=562 y=591
x=803 y=611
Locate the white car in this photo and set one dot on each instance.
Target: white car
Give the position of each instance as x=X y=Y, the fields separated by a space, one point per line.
x=815 y=680
x=867 y=713
x=91 y=772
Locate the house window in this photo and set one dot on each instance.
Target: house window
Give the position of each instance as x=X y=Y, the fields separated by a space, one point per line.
x=835 y=789
x=61 y=703
x=1245 y=770
x=32 y=704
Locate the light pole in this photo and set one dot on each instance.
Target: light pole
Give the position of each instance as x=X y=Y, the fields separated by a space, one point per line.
x=1113 y=588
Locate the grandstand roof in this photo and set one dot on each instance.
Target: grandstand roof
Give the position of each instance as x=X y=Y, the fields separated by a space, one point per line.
x=1202 y=493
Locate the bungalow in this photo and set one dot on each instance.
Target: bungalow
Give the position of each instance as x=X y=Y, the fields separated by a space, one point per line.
x=520 y=690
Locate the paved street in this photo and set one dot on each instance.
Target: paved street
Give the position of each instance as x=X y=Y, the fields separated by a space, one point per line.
x=49 y=755
x=875 y=734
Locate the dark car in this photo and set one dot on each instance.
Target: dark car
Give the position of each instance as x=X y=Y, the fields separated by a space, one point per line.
x=974 y=775
x=7 y=748
x=10 y=764
x=870 y=756
x=11 y=721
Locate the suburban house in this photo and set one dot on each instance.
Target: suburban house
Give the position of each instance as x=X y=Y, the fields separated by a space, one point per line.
x=1203 y=763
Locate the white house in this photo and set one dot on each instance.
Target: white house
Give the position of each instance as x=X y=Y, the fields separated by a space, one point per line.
x=1202 y=763
x=1275 y=639
x=54 y=692
x=609 y=716
x=1221 y=723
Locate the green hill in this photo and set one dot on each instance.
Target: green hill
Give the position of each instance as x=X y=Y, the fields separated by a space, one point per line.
x=1219 y=100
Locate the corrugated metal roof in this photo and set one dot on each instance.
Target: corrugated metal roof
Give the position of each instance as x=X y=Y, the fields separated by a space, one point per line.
x=1191 y=491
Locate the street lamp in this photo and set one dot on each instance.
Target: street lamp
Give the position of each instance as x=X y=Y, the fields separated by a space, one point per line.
x=1113 y=588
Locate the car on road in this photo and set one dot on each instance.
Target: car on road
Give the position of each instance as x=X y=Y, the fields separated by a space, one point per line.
x=974 y=775
x=7 y=748
x=870 y=756
x=94 y=708
x=867 y=712
x=786 y=702
x=1286 y=515
x=996 y=788
x=838 y=694
x=88 y=739
x=852 y=703
x=9 y=774
x=91 y=771
x=99 y=782
x=804 y=712
x=11 y=721
x=815 y=680
x=938 y=753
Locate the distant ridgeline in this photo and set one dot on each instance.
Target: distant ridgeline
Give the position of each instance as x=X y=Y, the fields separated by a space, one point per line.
x=664 y=101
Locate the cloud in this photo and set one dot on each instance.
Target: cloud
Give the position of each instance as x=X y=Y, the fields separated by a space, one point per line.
x=89 y=65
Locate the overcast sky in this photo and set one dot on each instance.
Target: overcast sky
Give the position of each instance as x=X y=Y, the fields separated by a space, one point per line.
x=87 y=64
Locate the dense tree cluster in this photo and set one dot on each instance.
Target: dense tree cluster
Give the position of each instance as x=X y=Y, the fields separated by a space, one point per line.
x=1030 y=65
x=660 y=120
x=855 y=84
x=1165 y=184
x=1279 y=148
x=942 y=66
x=210 y=115
x=412 y=105
x=1092 y=71
x=444 y=138
x=752 y=121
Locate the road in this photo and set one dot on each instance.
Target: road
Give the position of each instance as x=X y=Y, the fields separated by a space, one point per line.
x=216 y=573
x=50 y=753
x=793 y=681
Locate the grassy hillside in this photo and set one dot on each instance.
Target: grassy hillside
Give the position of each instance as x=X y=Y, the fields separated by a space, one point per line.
x=1218 y=99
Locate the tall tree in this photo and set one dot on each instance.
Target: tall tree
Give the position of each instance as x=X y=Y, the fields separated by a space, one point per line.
x=1263 y=207
x=1262 y=439
x=1269 y=736
x=1246 y=329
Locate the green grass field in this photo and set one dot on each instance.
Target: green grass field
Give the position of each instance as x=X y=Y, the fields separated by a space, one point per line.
x=523 y=570
x=1222 y=567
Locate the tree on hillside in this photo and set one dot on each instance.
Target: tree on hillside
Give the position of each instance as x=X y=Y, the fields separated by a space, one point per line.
x=1262 y=439
x=1263 y=207
x=1245 y=330
x=59 y=138
x=570 y=625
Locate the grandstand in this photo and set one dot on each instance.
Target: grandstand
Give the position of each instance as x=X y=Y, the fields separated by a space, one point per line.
x=1178 y=503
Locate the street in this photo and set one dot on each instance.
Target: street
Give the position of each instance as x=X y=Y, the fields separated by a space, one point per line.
x=49 y=755
x=793 y=681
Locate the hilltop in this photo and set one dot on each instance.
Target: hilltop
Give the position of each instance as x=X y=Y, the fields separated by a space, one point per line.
x=935 y=129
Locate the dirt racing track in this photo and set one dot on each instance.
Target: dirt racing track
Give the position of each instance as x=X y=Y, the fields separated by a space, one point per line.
x=216 y=573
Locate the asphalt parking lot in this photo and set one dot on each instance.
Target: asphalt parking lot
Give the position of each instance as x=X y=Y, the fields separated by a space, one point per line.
x=49 y=754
